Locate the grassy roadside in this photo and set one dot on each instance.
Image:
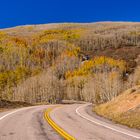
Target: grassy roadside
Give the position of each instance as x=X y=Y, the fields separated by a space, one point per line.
x=125 y=109
x=7 y=105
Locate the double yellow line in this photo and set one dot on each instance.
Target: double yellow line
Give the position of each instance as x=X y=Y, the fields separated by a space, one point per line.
x=63 y=133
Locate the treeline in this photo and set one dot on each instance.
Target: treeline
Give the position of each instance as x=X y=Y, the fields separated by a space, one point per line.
x=98 y=88
x=97 y=80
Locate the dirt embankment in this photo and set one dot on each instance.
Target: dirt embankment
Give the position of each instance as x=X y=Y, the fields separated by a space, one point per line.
x=125 y=109
x=5 y=105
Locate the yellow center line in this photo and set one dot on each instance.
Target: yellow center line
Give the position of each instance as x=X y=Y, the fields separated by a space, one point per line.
x=62 y=132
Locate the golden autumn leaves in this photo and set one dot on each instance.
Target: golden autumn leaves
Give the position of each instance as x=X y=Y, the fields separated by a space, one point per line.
x=97 y=64
x=59 y=52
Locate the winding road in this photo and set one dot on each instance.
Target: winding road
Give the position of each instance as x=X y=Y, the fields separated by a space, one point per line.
x=77 y=120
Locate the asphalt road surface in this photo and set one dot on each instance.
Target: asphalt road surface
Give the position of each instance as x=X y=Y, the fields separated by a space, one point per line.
x=78 y=120
x=26 y=124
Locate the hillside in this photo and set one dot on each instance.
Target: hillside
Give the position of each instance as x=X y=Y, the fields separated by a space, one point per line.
x=125 y=109
x=113 y=39
x=51 y=62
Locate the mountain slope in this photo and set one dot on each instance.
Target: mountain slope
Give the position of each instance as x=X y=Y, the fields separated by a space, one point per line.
x=71 y=55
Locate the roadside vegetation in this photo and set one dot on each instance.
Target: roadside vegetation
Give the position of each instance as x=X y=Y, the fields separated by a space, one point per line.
x=86 y=62
x=124 y=109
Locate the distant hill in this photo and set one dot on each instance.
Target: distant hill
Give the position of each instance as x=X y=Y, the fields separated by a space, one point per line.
x=29 y=53
x=119 y=40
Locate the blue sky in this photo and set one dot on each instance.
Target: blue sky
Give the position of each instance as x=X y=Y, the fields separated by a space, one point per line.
x=22 y=12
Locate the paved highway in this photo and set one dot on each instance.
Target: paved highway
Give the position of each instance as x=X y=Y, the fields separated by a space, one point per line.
x=26 y=124
x=77 y=120
x=80 y=122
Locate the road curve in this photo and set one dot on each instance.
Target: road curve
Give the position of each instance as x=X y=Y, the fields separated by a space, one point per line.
x=78 y=120
x=81 y=123
x=26 y=124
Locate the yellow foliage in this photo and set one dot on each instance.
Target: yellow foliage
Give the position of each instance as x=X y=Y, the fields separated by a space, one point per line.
x=58 y=34
x=2 y=35
x=87 y=67
x=84 y=70
x=72 y=51
x=110 y=61
x=21 y=42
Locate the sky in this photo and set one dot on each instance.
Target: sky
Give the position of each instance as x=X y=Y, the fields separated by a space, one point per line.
x=25 y=12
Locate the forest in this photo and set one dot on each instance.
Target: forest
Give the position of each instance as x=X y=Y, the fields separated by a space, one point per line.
x=88 y=62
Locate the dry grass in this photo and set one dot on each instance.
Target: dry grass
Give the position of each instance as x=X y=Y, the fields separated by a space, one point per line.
x=125 y=109
x=3 y=109
x=4 y=104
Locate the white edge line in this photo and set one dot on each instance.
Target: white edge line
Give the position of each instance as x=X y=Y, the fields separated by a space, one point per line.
x=1 y=118
x=13 y=112
x=78 y=113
